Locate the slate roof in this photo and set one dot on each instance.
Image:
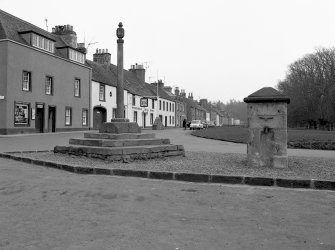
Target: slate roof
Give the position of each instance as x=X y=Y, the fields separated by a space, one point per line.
x=12 y=27
x=108 y=75
x=267 y=94
x=161 y=92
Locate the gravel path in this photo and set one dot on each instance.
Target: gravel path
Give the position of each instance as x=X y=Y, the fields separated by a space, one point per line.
x=209 y=163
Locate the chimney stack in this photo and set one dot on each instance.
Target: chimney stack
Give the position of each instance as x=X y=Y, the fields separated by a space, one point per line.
x=139 y=71
x=176 y=91
x=102 y=57
x=67 y=34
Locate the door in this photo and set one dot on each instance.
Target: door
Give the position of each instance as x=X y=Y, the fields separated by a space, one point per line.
x=39 y=119
x=144 y=120
x=52 y=119
x=99 y=117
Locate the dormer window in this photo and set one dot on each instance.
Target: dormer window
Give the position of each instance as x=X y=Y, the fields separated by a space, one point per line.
x=43 y=43
x=76 y=56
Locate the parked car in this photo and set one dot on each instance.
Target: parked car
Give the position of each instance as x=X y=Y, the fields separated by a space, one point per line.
x=205 y=123
x=211 y=124
x=196 y=124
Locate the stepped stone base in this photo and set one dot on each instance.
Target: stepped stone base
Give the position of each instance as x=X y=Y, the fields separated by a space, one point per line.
x=123 y=153
x=120 y=145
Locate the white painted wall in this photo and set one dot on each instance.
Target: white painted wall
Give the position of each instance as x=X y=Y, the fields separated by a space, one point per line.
x=167 y=112
x=108 y=104
x=140 y=110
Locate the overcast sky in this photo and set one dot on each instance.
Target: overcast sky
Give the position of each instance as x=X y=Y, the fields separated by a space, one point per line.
x=216 y=49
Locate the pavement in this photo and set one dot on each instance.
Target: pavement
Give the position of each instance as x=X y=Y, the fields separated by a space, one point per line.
x=44 y=208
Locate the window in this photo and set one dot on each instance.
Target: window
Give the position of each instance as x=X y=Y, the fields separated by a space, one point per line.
x=163 y=106
x=134 y=100
x=26 y=81
x=68 y=116
x=153 y=104
x=172 y=119
x=77 y=88
x=102 y=92
x=151 y=119
x=135 y=116
x=84 y=117
x=160 y=105
x=76 y=56
x=48 y=85
x=43 y=43
x=172 y=107
x=21 y=114
x=114 y=113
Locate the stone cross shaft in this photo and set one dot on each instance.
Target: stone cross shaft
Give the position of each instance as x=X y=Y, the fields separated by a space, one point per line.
x=120 y=78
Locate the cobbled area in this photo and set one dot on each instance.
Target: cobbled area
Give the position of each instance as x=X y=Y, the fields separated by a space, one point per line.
x=206 y=163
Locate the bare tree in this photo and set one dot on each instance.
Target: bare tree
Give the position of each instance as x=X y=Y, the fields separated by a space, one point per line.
x=310 y=83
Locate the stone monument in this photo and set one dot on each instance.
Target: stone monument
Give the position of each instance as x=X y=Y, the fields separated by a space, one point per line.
x=119 y=124
x=120 y=140
x=267 y=121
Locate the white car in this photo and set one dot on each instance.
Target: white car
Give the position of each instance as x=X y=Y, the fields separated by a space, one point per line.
x=196 y=124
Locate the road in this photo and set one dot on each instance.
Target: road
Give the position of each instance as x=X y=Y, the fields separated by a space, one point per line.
x=43 y=208
x=177 y=136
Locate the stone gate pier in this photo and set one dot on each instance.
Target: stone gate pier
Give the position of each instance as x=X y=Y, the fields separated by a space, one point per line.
x=267 y=121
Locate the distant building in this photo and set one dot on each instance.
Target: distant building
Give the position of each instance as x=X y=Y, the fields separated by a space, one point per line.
x=166 y=104
x=44 y=82
x=193 y=110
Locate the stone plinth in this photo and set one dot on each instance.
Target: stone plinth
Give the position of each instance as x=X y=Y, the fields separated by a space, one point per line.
x=120 y=126
x=267 y=120
x=158 y=125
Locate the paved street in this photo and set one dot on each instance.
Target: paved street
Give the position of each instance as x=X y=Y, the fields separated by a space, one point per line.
x=177 y=136
x=43 y=208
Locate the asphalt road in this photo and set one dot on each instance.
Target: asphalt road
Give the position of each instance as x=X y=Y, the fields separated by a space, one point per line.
x=177 y=136
x=43 y=208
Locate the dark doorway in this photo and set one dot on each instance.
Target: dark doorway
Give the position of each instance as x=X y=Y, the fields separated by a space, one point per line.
x=39 y=120
x=99 y=116
x=165 y=121
x=52 y=119
x=144 y=120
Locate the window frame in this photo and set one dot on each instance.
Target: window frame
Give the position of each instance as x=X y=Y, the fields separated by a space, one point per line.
x=24 y=81
x=133 y=99
x=51 y=85
x=84 y=111
x=79 y=94
x=135 y=116
x=65 y=115
x=102 y=86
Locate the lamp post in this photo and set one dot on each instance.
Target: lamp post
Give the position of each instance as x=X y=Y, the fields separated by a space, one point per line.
x=120 y=78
